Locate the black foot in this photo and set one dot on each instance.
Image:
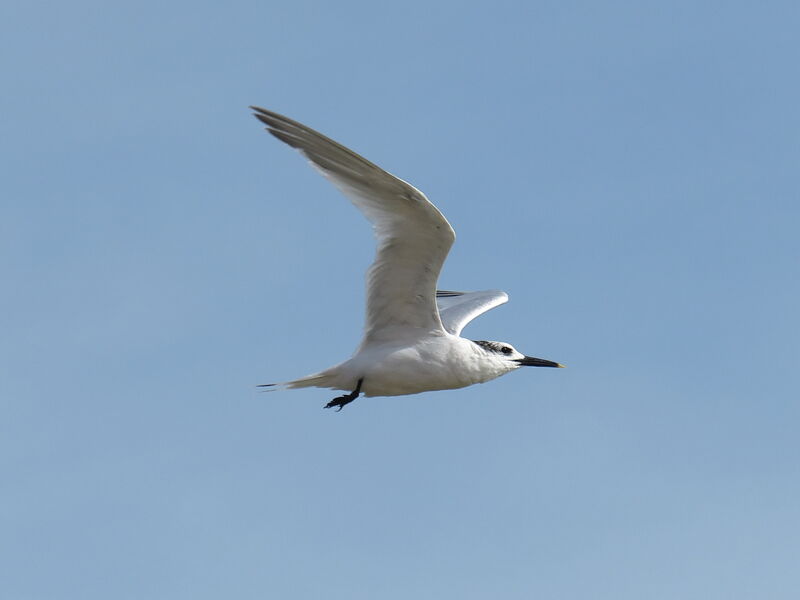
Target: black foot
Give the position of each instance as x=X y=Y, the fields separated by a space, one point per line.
x=347 y=398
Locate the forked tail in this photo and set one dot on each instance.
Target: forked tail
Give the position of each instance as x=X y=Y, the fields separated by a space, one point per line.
x=321 y=380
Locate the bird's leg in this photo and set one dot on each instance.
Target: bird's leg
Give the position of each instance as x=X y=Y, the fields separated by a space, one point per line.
x=347 y=398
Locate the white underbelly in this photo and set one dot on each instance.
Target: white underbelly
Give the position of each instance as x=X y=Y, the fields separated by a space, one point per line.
x=414 y=370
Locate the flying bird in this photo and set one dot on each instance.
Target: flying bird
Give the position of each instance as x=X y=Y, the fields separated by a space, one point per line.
x=412 y=340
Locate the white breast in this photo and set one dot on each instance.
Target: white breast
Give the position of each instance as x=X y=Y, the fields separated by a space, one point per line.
x=436 y=362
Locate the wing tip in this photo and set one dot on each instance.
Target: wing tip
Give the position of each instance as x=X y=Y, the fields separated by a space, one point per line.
x=455 y=294
x=448 y=293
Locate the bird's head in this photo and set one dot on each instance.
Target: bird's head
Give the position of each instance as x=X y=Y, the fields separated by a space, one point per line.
x=508 y=356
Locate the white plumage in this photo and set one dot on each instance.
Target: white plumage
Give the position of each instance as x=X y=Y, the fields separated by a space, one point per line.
x=411 y=338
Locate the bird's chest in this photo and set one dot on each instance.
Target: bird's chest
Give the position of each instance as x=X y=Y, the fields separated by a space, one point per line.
x=421 y=369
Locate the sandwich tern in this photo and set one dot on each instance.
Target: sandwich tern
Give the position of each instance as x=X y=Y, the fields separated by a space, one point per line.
x=412 y=339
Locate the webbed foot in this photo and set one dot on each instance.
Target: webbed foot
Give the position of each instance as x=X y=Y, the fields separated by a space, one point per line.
x=341 y=401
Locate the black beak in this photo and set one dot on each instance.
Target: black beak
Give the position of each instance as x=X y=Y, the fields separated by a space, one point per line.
x=530 y=361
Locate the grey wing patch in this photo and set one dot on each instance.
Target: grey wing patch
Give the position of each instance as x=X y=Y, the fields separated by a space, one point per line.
x=349 y=171
x=413 y=236
x=456 y=309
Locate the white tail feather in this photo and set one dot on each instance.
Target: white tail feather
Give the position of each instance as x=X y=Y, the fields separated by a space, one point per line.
x=320 y=380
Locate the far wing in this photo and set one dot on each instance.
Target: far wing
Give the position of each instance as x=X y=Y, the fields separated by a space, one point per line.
x=413 y=236
x=456 y=309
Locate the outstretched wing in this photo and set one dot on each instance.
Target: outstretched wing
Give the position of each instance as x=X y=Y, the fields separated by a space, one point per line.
x=413 y=236
x=459 y=308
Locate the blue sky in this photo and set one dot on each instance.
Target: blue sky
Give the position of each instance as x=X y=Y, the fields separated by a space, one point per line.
x=626 y=171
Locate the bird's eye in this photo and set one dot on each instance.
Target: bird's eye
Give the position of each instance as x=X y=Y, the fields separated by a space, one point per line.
x=505 y=350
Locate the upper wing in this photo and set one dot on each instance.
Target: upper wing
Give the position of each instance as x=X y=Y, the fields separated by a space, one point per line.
x=413 y=236
x=459 y=308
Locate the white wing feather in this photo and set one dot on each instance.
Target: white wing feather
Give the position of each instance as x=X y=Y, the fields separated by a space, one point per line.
x=459 y=308
x=413 y=236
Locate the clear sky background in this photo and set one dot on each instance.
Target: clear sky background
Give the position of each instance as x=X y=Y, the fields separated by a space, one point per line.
x=626 y=171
